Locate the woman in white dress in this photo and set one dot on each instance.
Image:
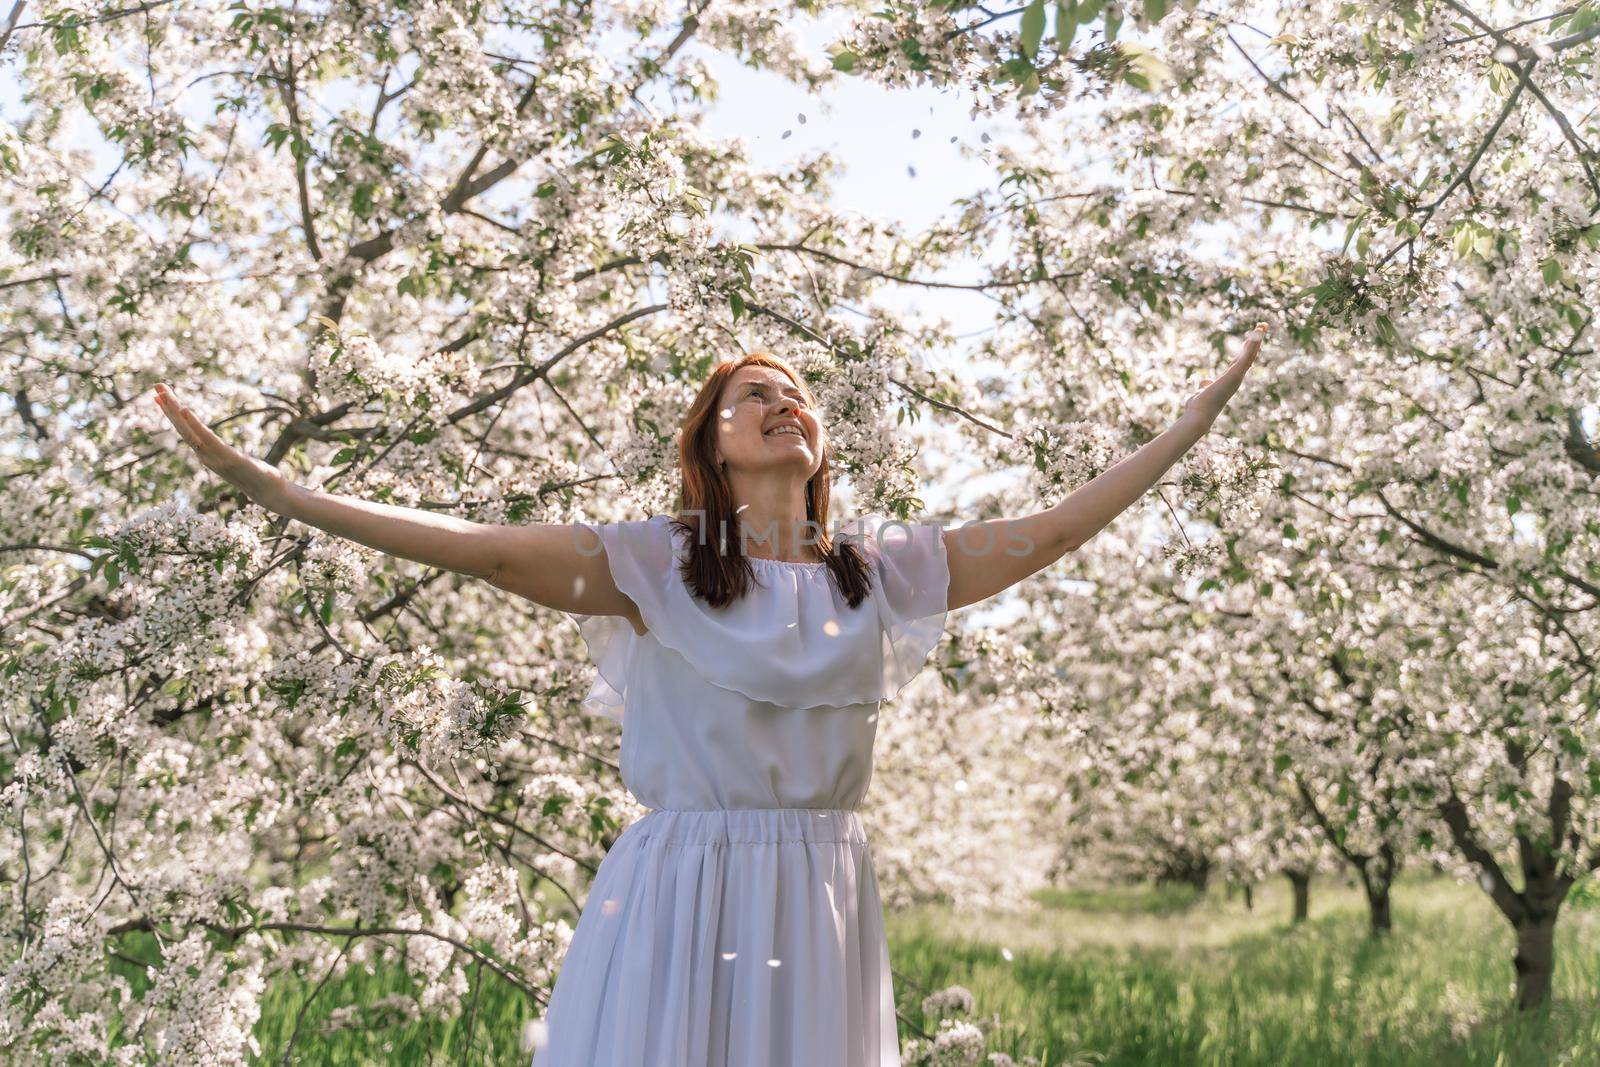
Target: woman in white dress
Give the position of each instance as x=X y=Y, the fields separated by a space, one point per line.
x=745 y=650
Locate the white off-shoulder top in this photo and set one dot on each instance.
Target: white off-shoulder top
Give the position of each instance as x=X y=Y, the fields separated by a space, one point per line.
x=770 y=701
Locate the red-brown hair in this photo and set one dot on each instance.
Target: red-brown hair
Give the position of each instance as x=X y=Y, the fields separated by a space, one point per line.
x=716 y=569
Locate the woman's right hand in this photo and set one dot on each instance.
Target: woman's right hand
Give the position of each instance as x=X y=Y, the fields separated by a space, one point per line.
x=259 y=481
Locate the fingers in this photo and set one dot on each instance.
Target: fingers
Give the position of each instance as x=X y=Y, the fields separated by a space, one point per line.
x=172 y=410
x=1252 y=344
x=189 y=427
x=168 y=404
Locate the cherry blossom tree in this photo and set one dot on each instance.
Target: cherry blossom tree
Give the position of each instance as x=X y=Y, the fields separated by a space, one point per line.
x=1413 y=187
x=425 y=254
x=446 y=257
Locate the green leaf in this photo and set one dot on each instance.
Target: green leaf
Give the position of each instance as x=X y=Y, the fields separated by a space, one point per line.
x=1387 y=334
x=1155 y=10
x=1032 y=28
x=1350 y=231
x=845 y=62
x=1551 y=269
x=1586 y=15
x=1066 y=23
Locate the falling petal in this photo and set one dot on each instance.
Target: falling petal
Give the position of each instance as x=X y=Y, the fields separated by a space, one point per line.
x=610 y=907
x=911 y=170
x=831 y=628
x=961 y=785
x=915 y=133
x=534 y=1035
x=1005 y=952
x=801 y=118
x=952 y=139
x=727 y=413
x=1506 y=53
x=774 y=963
x=786 y=134
x=985 y=138
x=729 y=955
x=577 y=585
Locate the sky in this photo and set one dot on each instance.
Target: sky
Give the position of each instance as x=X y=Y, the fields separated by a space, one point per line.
x=899 y=160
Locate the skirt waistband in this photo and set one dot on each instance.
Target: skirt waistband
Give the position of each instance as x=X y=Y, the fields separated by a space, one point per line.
x=735 y=826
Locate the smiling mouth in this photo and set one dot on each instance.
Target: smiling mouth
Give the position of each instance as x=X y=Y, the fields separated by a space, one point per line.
x=785 y=431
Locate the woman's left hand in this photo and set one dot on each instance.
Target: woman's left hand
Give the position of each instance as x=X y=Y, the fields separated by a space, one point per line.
x=1214 y=396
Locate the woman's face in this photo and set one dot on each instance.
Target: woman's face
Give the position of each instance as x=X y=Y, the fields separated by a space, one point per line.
x=757 y=414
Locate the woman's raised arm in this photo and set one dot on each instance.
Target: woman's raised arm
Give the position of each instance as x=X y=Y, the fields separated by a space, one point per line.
x=987 y=557
x=558 y=565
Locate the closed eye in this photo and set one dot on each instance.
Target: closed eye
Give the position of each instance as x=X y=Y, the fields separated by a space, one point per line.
x=763 y=392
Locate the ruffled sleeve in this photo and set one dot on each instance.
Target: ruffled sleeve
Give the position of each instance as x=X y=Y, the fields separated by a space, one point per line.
x=911 y=584
x=792 y=641
x=639 y=556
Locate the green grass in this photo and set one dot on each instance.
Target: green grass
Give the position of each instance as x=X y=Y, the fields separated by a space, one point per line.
x=1138 y=976
x=378 y=1036
x=1138 y=980
x=1125 y=900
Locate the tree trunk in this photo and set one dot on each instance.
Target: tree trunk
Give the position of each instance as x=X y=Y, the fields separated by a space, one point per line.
x=1380 y=922
x=1185 y=866
x=1249 y=897
x=1532 y=912
x=1535 y=961
x=1301 y=880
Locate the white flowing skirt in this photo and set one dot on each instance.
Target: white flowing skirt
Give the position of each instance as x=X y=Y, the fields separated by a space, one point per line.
x=750 y=937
